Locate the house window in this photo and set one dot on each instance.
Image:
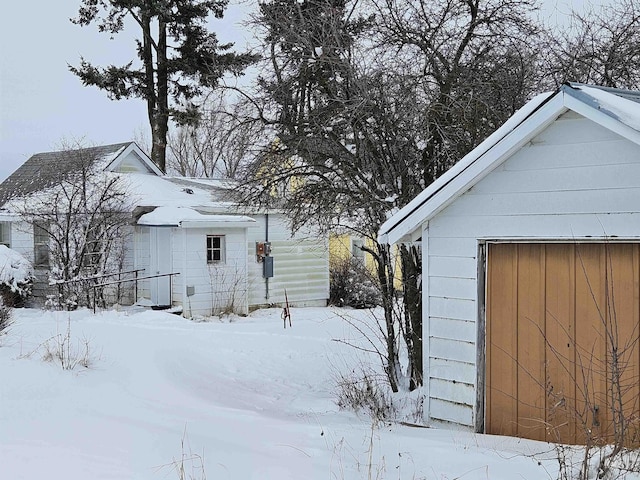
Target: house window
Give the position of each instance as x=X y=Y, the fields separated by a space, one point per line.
x=356 y=248
x=40 y=246
x=5 y=234
x=92 y=255
x=215 y=249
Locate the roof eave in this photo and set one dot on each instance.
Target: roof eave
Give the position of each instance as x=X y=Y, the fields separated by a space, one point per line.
x=470 y=169
x=218 y=224
x=584 y=105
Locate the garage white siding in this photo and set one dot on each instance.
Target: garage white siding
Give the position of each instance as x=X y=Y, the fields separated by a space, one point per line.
x=576 y=180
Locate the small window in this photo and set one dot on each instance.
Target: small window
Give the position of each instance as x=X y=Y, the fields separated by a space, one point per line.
x=356 y=248
x=215 y=249
x=40 y=246
x=5 y=234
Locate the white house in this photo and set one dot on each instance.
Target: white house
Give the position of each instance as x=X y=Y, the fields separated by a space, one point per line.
x=203 y=253
x=531 y=254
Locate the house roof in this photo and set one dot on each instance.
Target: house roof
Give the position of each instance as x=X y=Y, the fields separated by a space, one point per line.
x=615 y=109
x=43 y=170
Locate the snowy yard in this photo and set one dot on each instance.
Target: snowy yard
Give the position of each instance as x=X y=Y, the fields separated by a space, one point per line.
x=247 y=397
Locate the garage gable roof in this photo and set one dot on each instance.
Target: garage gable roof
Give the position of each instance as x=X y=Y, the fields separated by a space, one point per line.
x=615 y=109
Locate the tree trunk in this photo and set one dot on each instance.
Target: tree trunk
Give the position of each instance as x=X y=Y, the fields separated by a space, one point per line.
x=162 y=113
x=385 y=276
x=150 y=82
x=411 y=281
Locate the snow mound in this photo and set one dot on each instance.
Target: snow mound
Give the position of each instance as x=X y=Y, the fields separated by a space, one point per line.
x=15 y=270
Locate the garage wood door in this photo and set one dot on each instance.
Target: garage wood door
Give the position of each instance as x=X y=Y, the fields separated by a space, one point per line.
x=562 y=325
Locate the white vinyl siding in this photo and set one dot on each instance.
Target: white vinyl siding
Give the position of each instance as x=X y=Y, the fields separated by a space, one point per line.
x=300 y=265
x=202 y=289
x=576 y=180
x=217 y=287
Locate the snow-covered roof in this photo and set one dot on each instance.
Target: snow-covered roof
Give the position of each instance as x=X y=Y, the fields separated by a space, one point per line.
x=143 y=182
x=617 y=110
x=191 y=218
x=44 y=170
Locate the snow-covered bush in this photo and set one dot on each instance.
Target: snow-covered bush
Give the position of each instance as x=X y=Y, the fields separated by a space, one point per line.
x=16 y=277
x=81 y=221
x=352 y=285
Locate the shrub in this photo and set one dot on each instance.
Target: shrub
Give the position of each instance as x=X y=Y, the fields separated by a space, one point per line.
x=62 y=349
x=5 y=318
x=363 y=390
x=16 y=277
x=352 y=285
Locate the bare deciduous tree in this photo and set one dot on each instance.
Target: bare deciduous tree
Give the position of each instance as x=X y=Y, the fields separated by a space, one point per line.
x=80 y=223
x=369 y=110
x=217 y=145
x=600 y=46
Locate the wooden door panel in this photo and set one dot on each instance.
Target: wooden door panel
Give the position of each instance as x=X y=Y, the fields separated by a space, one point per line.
x=557 y=315
x=501 y=401
x=531 y=344
x=560 y=338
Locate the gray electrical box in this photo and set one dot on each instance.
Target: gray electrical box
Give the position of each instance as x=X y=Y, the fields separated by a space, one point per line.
x=191 y=290
x=267 y=267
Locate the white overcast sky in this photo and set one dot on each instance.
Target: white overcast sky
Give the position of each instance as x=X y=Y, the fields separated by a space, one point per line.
x=42 y=103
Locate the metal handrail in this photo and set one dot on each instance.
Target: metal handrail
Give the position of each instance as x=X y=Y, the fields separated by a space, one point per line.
x=96 y=277
x=135 y=290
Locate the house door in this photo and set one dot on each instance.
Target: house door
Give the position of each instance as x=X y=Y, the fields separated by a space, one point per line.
x=160 y=264
x=562 y=321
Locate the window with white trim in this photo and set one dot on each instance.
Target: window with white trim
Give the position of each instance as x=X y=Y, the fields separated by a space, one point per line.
x=40 y=246
x=215 y=248
x=356 y=248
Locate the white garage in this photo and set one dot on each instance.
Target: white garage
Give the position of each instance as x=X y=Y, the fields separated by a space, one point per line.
x=531 y=270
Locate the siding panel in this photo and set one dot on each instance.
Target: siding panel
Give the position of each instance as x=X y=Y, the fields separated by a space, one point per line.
x=452 y=350
x=464 y=288
x=453 y=329
x=453 y=371
x=459 y=267
x=301 y=265
x=451 y=412
x=452 y=391
x=453 y=308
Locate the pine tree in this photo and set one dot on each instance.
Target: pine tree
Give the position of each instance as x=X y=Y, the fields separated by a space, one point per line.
x=179 y=58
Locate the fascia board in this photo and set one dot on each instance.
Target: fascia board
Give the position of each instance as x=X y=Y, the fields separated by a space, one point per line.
x=475 y=166
x=592 y=113
x=218 y=224
x=145 y=158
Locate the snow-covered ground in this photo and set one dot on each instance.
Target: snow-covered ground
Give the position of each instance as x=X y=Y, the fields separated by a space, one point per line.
x=249 y=399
